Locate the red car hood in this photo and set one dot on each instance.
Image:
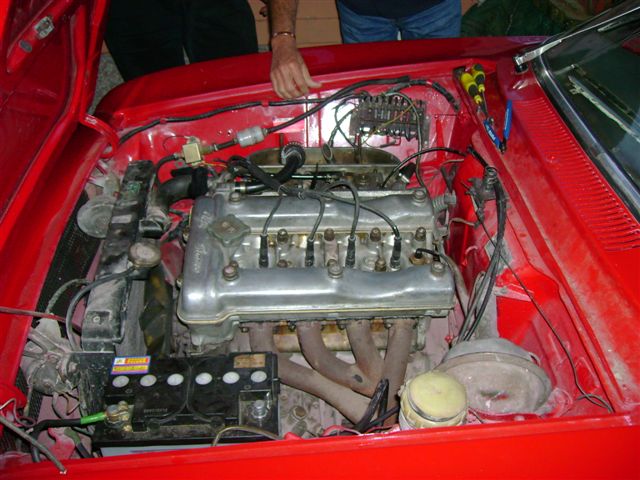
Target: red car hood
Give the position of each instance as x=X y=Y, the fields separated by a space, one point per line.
x=48 y=64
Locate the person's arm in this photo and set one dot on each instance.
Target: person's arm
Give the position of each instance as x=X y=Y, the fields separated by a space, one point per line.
x=289 y=75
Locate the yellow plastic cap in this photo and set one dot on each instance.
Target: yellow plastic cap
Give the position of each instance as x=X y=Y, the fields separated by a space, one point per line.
x=433 y=399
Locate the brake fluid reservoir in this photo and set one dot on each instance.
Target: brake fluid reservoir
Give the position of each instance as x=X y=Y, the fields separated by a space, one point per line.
x=432 y=399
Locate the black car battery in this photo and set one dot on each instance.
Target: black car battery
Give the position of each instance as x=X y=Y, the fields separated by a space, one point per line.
x=167 y=403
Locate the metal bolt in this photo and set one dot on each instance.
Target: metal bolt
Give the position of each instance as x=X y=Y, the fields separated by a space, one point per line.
x=381 y=265
x=421 y=234
x=116 y=412
x=259 y=409
x=334 y=269
x=437 y=268
x=179 y=281
x=235 y=197
x=329 y=235
x=282 y=263
x=96 y=319
x=421 y=260
x=369 y=262
x=298 y=412
x=230 y=272
x=419 y=195
x=283 y=236
x=300 y=428
x=112 y=410
x=375 y=235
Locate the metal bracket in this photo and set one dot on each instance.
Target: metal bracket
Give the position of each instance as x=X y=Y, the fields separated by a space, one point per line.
x=44 y=27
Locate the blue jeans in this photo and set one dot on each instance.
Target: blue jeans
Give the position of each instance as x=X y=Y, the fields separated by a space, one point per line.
x=439 y=21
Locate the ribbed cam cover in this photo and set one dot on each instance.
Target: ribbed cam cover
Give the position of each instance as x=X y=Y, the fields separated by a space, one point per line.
x=298 y=292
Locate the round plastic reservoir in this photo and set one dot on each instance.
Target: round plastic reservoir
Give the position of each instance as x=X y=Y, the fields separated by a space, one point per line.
x=432 y=399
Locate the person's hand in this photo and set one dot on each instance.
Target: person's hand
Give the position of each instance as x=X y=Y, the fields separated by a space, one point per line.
x=289 y=75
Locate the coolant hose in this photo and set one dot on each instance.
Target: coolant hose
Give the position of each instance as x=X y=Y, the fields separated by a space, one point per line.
x=195 y=183
x=293 y=156
x=183 y=187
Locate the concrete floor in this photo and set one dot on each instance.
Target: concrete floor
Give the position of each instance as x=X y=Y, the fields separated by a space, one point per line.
x=108 y=78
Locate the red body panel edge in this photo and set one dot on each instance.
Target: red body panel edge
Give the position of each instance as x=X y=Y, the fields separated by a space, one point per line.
x=594 y=447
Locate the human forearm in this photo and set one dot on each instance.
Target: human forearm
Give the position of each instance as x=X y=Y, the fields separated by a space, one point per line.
x=289 y=75
x=282 y=15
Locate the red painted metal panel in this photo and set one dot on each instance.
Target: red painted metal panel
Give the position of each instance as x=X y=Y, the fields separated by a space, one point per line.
x=576 y=175
x=43 y=101
x=580 y=448
x=584 y=261
x=177 y=88
x=589 y=444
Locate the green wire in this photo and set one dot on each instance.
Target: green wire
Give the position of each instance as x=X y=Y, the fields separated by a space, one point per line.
x=95 y=418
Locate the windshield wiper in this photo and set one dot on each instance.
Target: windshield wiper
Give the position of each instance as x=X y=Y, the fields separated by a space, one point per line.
x=552 y=42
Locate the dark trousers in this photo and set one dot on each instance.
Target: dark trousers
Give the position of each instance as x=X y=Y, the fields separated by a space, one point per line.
x=145 y=36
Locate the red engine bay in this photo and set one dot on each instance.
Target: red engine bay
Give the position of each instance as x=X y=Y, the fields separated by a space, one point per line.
x=337 y=248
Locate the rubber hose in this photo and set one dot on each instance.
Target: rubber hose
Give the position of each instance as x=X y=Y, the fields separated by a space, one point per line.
x=183 y=187
x=44 y=425
x=294 y=157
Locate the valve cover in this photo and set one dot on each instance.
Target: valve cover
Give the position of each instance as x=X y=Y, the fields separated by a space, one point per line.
x=224 y=285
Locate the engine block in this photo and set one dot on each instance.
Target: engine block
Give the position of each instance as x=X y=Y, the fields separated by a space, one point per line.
x=223 y=284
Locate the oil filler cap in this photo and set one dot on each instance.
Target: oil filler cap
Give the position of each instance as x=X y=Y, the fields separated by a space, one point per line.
x=432 y=399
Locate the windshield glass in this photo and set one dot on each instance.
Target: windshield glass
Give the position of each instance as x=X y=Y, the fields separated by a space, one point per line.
x=599 y=74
